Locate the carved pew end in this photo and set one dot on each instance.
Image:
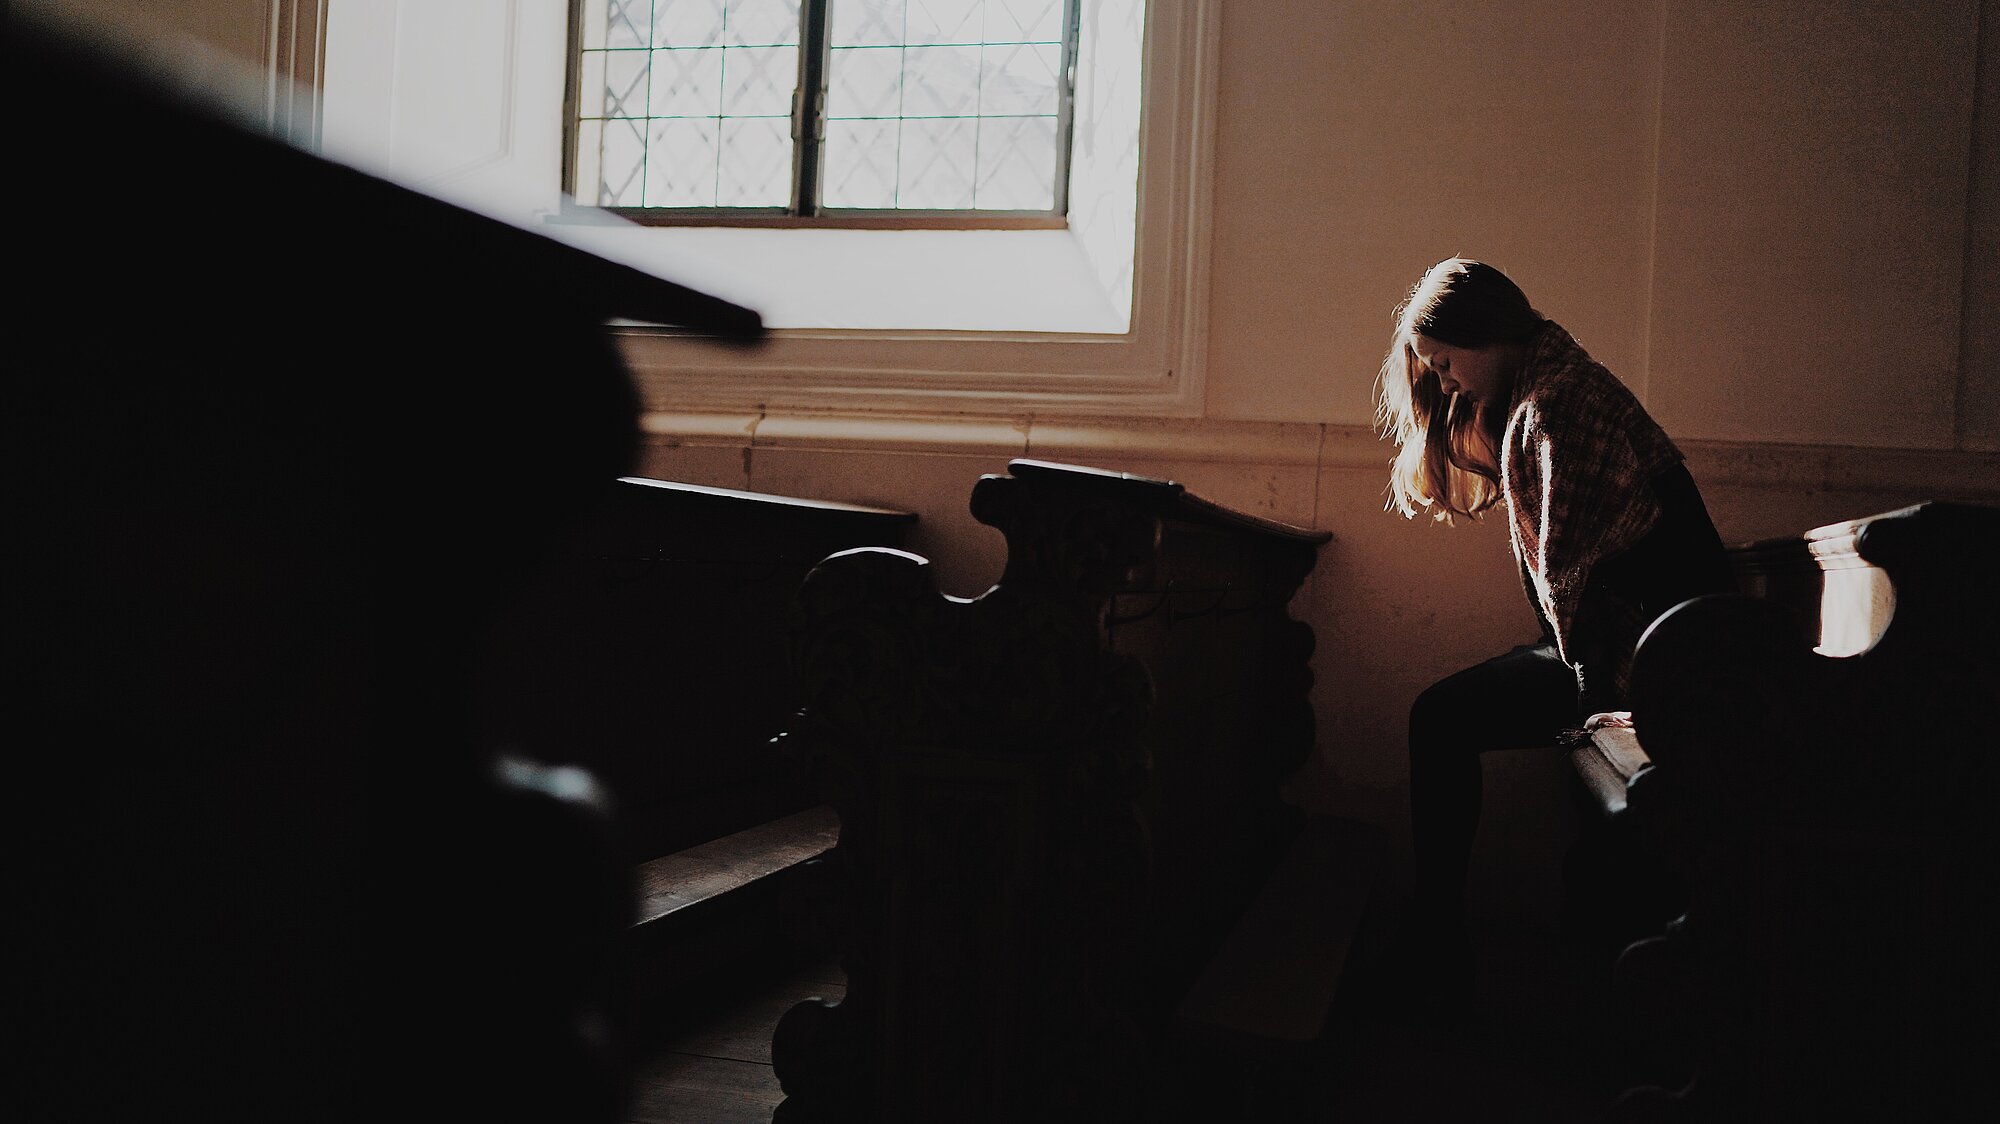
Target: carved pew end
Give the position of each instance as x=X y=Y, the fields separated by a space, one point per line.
x=1055 y=800
x=1824 y=780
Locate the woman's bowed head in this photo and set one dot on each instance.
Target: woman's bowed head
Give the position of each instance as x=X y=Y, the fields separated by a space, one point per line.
x=1461 y=337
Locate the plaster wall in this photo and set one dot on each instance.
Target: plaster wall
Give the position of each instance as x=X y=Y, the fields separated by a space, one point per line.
x=1357 y=143
x=1773 y=219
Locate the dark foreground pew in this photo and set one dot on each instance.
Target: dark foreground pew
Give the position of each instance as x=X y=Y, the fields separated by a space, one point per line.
x=652 y=652
x=1817 y=757
x=279 y=874
x=1056 y=800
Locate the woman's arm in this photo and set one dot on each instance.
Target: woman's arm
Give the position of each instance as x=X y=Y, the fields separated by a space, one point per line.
x=1579 y=494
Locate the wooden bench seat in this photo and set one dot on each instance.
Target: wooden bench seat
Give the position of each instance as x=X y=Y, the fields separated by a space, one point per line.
x=1607 y=763
x=675 y=889
x=710 y=913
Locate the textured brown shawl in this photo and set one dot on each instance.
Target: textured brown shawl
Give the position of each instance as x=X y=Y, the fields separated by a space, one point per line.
x=1580 y=453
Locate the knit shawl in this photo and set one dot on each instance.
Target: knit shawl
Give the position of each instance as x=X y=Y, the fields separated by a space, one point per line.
x=1580 y=453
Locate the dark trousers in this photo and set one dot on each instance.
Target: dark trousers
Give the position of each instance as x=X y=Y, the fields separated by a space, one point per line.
x=1522 y=699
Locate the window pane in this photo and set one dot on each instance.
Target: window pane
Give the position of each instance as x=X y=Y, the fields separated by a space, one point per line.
x=687 y=23
x=864 y=82
x=613 y=84
x=931 y=104
x=681 y=156
x=1017 y=169
x=614 y=157
x=1024 y=21
x=700 y=102
x=590 y=90
x=617 y=23
x=941 y=82
x=866 y=23
x=687 y=82
x=1020 y=79
x=759 y=81
x=756 y=167
x=860 y=164
x=935 y=167
x=761 y=23
x=962 y=75
x=944 y=21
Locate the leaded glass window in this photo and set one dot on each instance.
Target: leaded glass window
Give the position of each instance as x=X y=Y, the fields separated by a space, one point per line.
x=911 y=107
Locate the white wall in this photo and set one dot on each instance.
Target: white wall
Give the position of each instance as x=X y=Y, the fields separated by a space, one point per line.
x=1359 y=142
x=1758 y=212
x=1812 y=221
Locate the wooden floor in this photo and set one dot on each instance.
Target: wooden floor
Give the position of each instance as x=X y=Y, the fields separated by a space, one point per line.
x=1539 y=1044
x=1536 y=1046
x=712 y=1064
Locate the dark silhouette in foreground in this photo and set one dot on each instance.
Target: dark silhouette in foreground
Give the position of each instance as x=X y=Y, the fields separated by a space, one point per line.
x=284 y=438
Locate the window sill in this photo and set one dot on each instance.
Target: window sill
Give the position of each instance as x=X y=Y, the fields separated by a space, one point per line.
x=1024 y=281
x=833 y=220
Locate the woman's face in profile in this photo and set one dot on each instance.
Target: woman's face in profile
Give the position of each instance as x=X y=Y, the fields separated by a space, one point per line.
x=1481 y=374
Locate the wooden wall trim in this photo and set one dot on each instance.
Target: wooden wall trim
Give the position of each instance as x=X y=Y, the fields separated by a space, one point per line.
x=1963 y=474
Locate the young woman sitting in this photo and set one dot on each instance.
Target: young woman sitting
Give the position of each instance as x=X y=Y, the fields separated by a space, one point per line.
x=1493 y=406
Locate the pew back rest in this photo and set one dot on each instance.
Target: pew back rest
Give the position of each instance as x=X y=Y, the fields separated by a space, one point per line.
x=653 y=652
x=1054 y=798
x=1843 y=602
x=1823 y=773
x=1834 y=591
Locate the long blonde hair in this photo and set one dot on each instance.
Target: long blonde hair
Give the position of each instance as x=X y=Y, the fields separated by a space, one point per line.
x=1446 y=462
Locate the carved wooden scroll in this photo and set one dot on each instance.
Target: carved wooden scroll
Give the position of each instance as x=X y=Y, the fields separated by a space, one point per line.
x=1053 y=798
x=1831 y=800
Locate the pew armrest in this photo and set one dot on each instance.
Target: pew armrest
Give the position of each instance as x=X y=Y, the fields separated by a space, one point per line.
x=1607 y=762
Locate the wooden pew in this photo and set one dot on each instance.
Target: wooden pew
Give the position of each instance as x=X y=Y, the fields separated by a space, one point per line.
x=652 y=653
x=1055 y=799
x=1838 y=603
x=1817 y=757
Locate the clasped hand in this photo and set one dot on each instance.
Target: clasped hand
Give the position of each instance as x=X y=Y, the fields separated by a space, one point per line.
x=1614 y=719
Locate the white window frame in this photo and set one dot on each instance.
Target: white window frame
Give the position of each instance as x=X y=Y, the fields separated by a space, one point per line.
x=1154 y=366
